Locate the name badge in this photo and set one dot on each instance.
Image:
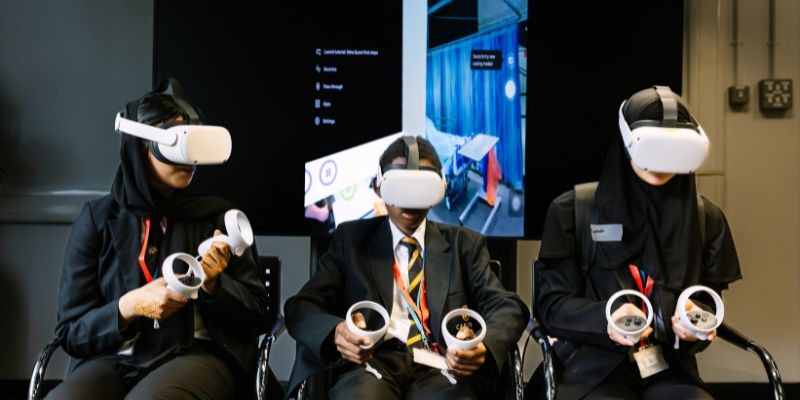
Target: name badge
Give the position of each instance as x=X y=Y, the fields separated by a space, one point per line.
x=650 y=361
x=606 y=232
x=429 y=358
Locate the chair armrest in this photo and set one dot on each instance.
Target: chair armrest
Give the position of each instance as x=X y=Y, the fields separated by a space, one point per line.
x=39 y=369
x=738 y=339
x=262 y=374
x=548 y=356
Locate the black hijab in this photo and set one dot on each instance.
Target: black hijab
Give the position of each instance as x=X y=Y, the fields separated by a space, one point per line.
x=132 y=189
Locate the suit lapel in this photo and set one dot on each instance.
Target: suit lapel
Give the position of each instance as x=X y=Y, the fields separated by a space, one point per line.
x=438 y=261
x=381 y=259
x=126 y=231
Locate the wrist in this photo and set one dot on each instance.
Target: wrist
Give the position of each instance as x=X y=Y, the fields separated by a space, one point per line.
x=127 y=312
x=211 y=286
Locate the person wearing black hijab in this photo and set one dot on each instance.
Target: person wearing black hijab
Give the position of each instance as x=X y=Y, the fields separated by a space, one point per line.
x=662 y=239
x=112 y=291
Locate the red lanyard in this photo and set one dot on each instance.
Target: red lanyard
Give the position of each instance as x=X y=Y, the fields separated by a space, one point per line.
x=423 y=302
x=637 y=278
x=142 y=263
x=645 y=288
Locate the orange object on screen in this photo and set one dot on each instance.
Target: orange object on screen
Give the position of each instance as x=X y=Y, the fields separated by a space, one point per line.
x=493 y=176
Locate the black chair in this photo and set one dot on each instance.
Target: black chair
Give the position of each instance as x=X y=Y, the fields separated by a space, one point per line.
x=266 y=382
x=267 y=385
x=543 y=383
x=316 y=387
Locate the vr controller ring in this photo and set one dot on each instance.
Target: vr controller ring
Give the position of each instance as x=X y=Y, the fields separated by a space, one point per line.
x=375 y=335
x=634 y=334
x=686 y=321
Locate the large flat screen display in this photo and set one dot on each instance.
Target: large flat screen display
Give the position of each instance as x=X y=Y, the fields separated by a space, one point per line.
x=467 y=81
x=327 y=85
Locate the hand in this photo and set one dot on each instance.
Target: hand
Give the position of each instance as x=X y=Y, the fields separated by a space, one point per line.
x=153 y=300
x=465 y=362
x=348 y=343
x=681 y=331
x=214 y=263
x=623 y=310
x=318 y=212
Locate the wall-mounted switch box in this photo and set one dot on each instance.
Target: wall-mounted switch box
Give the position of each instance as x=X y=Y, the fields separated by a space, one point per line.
x=738 y=96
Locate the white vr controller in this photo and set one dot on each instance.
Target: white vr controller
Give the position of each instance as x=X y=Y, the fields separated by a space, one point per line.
x=700 y=322
x=188 y=284
x=239 y=238
x=467 y=344
x=373 y=335
x=630 y=326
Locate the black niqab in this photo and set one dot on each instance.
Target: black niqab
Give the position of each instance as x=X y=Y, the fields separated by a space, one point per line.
x=661 y=227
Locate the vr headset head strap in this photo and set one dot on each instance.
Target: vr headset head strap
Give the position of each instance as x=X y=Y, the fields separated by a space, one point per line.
x=412 y=152
x=669 y=106
x=172 y=87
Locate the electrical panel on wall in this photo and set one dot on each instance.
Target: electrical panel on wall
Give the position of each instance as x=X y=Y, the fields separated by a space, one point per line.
x=775 y=95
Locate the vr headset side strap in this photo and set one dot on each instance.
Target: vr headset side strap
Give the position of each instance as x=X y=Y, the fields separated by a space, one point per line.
x=584 y=246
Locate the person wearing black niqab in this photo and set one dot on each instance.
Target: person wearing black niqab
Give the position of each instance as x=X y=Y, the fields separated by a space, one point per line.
x=112 y=291
x=664 y=237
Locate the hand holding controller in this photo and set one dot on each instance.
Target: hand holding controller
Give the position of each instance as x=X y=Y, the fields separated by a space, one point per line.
x=239 y=237
x=693 y=321
x=187 y=284
x=628 y=323
x=466 y=352
x=461 y=344
x=354 y=318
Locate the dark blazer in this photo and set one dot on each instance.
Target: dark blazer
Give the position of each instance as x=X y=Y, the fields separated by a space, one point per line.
x=100 y=265
x=358 y=266
x=571 y=304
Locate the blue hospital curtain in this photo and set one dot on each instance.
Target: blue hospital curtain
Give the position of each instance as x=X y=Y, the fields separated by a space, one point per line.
x=465 y=102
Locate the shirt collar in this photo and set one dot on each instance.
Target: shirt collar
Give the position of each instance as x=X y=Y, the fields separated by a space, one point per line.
x=419 y=234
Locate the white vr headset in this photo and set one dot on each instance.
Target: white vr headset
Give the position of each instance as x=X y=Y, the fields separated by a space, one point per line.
x=665 y=146
x=411 y=186
x=182 y=144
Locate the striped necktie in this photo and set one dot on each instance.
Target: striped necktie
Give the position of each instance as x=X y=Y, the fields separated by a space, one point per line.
x=415 y=276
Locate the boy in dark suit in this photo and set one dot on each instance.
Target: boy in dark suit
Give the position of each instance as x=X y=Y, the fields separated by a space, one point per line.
x=418 y=271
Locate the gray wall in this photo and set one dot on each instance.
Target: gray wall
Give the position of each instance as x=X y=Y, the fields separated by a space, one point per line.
x=755 y=168
x=67 y=67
